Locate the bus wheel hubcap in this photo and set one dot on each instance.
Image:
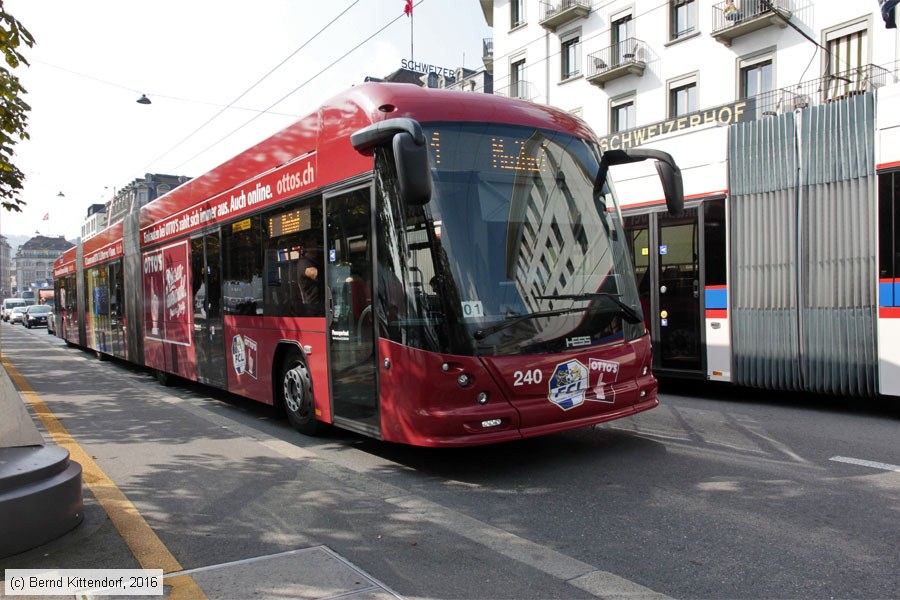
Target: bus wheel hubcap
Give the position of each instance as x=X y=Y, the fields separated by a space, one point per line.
x=293 y=389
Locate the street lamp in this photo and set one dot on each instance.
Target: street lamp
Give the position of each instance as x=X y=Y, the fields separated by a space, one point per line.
x=143 y=99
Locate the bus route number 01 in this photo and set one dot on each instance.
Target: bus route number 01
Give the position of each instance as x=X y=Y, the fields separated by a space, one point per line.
x=472 y=309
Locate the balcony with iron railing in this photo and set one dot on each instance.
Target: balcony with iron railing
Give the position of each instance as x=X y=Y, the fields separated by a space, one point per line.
x=627 y=57
x=559 y=12
x=831 y=88
x=836 y=87
x=487 y=54
x=732 y=20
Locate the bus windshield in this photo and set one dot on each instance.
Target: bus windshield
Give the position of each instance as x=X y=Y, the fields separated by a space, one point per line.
x=514 y=254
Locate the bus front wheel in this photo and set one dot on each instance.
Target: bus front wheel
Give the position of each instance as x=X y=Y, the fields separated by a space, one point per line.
x=296 y=395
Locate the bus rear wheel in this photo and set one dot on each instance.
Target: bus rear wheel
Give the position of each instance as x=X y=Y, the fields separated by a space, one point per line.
x=296 y=395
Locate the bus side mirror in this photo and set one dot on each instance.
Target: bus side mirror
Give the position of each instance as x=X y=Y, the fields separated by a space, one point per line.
x=413 y=170
x=410 y=155
x=668 y=171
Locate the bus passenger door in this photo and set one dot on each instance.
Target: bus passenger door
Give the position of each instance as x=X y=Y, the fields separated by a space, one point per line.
x=351 y=324
x=666 y=255
x=679 y=292
x=206 y=286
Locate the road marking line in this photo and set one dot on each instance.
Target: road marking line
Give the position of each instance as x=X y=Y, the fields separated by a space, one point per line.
x=866 y=463
x=137 y=534
x=571 y=570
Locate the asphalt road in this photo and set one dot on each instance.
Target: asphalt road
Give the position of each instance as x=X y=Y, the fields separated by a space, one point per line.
x=718 y=493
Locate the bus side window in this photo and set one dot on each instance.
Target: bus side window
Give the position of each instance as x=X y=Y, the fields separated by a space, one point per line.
x=242 y=268
x=294 y=273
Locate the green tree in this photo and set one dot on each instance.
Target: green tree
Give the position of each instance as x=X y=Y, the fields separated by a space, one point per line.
x=13 y=109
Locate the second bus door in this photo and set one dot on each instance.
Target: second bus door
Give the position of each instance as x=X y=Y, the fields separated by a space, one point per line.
x=349 y=312
x=206 y=284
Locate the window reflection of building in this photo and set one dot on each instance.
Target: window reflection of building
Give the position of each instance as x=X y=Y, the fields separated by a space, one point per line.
x=560 y=221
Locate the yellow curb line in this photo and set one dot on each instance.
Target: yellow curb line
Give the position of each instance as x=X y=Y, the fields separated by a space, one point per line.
x=143 y=542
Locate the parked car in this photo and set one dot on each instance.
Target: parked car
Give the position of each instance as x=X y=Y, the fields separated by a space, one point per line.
x=51 y=323
x=17 y=314
x=36 y=316
x=8 y=305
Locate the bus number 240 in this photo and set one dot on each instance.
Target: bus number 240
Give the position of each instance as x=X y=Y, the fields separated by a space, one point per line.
x=529 y=377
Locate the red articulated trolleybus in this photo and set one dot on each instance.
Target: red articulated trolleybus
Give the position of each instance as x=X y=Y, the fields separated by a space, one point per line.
x=428 y=267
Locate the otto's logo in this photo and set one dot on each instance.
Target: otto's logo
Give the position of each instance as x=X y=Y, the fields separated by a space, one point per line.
x=568 y=384
x=604 y=374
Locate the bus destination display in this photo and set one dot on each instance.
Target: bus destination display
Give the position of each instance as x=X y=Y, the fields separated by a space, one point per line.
x=289 y=222
x=506 y=154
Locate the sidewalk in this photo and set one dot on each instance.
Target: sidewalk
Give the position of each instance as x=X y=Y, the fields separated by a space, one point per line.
x=316 y=572
x=40 y=488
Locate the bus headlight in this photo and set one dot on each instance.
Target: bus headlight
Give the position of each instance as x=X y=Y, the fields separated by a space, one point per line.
x=464 y=380
x=482 y=398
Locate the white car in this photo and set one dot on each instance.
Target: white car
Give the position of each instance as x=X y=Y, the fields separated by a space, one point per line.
x=17 y=315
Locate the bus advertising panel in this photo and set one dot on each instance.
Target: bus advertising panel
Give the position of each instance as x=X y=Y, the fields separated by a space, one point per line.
x=167 y=315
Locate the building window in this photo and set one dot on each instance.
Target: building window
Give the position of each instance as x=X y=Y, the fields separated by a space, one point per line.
x=517 y=79
x=848 y=52
x=517 y=13
x=571 y=58
x=848 y=47
x=622 y=35
x=757 y=78
x=682 y=97
x=621 y=114
x=683 y=20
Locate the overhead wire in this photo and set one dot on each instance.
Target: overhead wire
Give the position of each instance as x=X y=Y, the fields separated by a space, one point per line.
x=153 y=94
x=246 y=91
x=295 y=90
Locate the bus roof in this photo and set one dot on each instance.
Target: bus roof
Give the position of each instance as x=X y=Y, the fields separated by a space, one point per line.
x=326 y=134
x=65 y=264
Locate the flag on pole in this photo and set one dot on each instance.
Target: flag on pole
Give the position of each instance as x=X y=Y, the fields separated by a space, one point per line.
x=407 y=10
x=47 y=217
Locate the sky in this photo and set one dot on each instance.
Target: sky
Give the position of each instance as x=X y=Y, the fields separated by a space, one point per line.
x=92 y=60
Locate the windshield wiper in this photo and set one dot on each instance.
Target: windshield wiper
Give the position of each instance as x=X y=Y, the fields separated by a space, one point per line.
x=629 y=313
x=480 y=334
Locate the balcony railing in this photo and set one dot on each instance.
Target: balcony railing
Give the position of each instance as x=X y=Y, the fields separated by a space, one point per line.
x=830 y=88
x=487 y=54
x=559 y=12
x=487 y=47
x=627 y=57
x=741 y=17
x=524 y=90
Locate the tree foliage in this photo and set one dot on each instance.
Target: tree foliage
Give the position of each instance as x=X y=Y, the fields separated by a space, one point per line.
x=13 y=109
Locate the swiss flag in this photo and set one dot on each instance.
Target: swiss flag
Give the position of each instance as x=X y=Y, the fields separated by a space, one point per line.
x=407 y=10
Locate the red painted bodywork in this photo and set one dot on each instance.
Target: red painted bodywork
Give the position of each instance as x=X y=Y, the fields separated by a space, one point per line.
x=421 y=403
x=66 y=266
